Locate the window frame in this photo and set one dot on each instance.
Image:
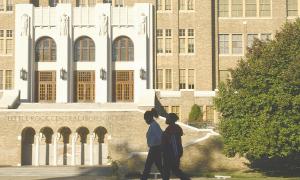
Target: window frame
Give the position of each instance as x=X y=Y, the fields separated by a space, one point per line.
x=52 y=52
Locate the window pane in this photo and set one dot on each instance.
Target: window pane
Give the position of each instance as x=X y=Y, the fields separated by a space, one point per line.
x=190 y=4
x=237 y=44
x=250 y=8
x=191 y=46
x=182 y=79
x=8 y=79
x=9 y=46
x=250 y=39
x=160 y=45
x=9 y=5
x=1 y=46
x=168 y=45
x=182 y=45
x=123 y=49
x=265 y=8
x=191 y=79
x=167 y=4
x=190 y=32
x=159 y=4
x=159 y=79
x=265 y=36
x=224 y=76
x=223 y=8
x=209 y=113
x=237 y=8
x=159 y=32
x=1 y=5
x=168 y=79
x=181 y=32
x=223 y=44
x=1 y=80
x=292 y=7
x=168 y=32
x=181 y=4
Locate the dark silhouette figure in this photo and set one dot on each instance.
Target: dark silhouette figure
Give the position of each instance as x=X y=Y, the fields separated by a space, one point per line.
x=153 y=135
x=172 y=148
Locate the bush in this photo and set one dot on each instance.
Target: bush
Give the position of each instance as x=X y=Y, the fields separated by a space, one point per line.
x=195 y=114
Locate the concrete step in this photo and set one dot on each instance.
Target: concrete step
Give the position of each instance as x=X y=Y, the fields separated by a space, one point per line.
x=57 y=171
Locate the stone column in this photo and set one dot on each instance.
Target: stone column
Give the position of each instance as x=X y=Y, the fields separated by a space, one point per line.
x=55 y=139
x=92 y=138
x=74 y=139
x=37 y=149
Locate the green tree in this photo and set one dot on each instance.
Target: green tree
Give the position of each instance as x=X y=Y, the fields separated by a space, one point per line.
x=260 y=105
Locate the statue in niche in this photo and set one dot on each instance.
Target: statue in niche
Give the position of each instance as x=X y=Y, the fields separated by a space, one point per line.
x=25 y=25
x=103 y=25
x=64 y=19
x=142 y=24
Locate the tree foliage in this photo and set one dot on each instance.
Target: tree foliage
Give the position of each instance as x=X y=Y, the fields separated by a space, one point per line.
x=195 y=114
x=260 y=105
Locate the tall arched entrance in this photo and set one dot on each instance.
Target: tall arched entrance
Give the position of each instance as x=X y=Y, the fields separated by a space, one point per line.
x=100 y=149
x=27 y=152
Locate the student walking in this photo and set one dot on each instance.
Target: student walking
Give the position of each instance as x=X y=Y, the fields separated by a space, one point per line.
x=172 y=148
x=153 y=135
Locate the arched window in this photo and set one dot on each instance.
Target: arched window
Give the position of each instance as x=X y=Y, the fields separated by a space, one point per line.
x=123 y=49
x=45 y=50
x=84 y=49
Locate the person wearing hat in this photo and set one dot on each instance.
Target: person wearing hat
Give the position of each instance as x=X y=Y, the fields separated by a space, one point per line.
x=172 y=148
x=153 y=135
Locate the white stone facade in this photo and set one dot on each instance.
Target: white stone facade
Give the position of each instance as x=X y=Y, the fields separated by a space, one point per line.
x=103 y=24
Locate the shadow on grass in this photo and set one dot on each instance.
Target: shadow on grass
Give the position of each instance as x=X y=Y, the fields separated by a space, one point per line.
x=278 y=166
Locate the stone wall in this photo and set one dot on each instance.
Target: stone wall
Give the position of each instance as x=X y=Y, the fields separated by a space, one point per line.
x=125 y=130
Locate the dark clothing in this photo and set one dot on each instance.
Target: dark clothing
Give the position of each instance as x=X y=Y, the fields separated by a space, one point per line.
x=154 y=156
x=172 y=151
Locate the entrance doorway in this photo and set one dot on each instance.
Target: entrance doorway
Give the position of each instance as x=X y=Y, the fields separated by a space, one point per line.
x=46 y=89
x=123 y=86
x=85 y=86
x=27 y=146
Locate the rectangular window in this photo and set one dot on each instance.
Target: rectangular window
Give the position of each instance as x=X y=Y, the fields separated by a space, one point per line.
x=237 y=44
x=1 y=80
x=168 y=77
x=265 y=36
x=224 y=75
x=190 y=4
x=210 y=113
x=9 y=46
x=8 y=79
x=106 y=1
x=1 y=5
x=9 y=33
x=237 y=8
x=9 y=5
x=292 y=7
x=182 y=41
x=159 y=35
x=166 y=109
x=223 y=44
x=223 y=8
x=168 y=5
x=168 y=41
x=186 y=41
x=159 y=5
x=250 y=39
x=264 y=8
x=119 y=3
x=159 y=79
x=176 y=110
x=182 y=83
x=191 y=79
x=250 y=8
x=182 y=4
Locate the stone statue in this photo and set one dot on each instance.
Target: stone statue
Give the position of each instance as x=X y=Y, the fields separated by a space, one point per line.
x=25 y=25
x=64 y=23
x=142 y=24
x=103 y=25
